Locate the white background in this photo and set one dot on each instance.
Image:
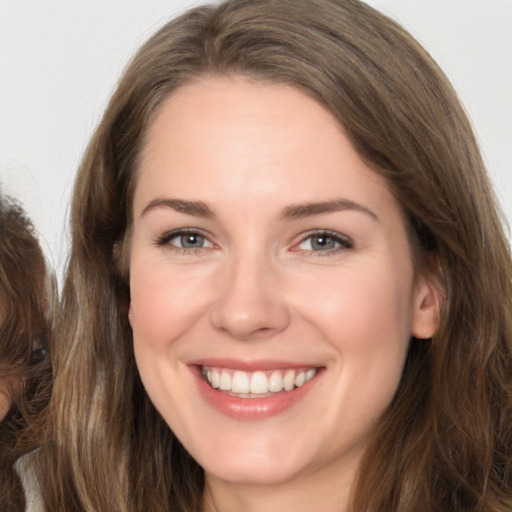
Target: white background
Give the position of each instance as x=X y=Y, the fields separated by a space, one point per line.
x=60 y=59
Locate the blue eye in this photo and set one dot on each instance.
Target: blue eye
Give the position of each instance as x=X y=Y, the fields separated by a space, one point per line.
x=325 y=241
x=185 y=240
x=189 y=241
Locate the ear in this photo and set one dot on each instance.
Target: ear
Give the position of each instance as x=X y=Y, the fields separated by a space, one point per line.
x=130 y=314
x=427 y=301
x=121 y=254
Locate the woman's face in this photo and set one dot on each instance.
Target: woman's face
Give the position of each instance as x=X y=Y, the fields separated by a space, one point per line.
x=273 y=294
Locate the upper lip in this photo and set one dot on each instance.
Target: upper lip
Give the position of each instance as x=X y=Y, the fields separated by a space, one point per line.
x=250 y=366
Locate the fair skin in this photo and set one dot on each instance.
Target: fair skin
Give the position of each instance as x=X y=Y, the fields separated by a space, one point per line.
x=5 y=399
x=265 y=252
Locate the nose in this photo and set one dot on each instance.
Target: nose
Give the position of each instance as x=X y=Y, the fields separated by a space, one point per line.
x=249 y=304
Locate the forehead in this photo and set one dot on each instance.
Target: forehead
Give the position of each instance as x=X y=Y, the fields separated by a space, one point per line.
x=244 y=138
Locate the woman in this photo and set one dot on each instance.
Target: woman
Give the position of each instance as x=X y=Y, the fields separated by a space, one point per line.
x=288 y=285
x=25 y=373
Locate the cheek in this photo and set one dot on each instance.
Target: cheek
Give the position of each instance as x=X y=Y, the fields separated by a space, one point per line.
x=365 y=317
x=162 y=308
x=365 y=314
x=163 y=303
x=364 y=299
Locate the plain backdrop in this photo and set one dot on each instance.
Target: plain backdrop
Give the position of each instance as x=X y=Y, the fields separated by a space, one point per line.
x=60 y=60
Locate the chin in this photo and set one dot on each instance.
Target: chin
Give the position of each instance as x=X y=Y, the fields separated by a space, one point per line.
x=259 y=462
x=249 y=471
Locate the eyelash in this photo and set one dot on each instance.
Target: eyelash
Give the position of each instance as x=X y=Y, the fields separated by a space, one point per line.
x=343 y=242
x=164 y=240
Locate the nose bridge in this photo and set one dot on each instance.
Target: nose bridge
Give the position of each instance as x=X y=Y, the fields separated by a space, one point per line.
x=249 y=303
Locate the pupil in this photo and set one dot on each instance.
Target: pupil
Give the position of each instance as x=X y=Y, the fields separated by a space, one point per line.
x=190 y=240
x=323 y=242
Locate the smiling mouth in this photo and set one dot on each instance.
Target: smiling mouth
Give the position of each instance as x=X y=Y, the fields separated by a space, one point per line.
x=258 y=384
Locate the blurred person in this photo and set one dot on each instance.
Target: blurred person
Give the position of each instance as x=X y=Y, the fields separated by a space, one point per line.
x=25 y=373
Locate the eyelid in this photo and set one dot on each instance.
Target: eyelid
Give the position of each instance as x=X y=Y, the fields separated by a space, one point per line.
x=165 y=238
x=344 y=241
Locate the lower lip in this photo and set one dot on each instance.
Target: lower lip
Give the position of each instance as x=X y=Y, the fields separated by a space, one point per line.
x=251 y=409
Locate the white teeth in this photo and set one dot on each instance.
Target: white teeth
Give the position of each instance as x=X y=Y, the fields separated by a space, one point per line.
x=275 y=383
x=225 y=381
x=215 y=378
x=250 y=385
x=240 y=382
x=259 y=383
x=289 y=380
x=300 y=379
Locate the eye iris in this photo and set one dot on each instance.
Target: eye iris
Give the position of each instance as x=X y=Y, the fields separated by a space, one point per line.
x=322 y=242
x=191 y=240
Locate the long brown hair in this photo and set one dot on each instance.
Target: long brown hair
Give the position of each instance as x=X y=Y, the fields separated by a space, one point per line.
x=446 y=441
x=24 y=333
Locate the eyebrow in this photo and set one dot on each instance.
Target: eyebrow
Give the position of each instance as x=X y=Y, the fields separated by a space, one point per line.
x=195 y=208
x=301 y=210
x=293 y=211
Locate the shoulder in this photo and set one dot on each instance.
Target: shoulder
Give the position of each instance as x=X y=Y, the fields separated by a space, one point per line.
x=25 y=466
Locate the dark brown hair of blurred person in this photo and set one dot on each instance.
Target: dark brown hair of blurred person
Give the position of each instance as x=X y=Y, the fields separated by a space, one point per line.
x=25 y=373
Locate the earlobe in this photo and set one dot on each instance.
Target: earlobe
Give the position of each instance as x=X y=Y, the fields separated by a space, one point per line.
x=427 y=308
